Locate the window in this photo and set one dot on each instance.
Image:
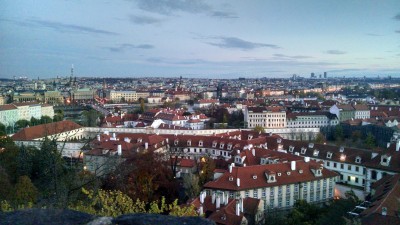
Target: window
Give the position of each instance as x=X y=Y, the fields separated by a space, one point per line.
x=342 y=166
x=356 y=180
x=349 y=167
x=246 y=193
x=255 y=193
x=328 y=163
x=334 y=165
x=329 y=155
x=357 y=168
x=348 y=178
x=263 y=193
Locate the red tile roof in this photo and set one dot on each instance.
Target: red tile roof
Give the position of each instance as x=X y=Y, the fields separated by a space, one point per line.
x=252 y=177
x=40 y=131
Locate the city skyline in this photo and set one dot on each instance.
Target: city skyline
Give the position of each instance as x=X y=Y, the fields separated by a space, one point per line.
x=228 y=39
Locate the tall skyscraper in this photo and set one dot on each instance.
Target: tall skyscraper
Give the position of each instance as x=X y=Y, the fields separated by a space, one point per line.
x=325 y=75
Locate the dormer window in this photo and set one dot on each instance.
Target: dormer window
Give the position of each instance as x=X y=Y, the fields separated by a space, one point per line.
x=341 y=149
x=201 y=143
x=139 y=140
x=288 y=172
x=316 y=152
x=250 y=137
x=358 y=159
x=229 y=146
x=221 y=145
x=291 y=148
x=176 y=142
x=278 y=140
x=303 y=150
x=279 y=174
x=385 y=160
x=189 y=142
x=270 y=177
x=214 y=144
x=254 y=177
x=230 y=178
x=329 y=155
x=300 y=171
x=311 y=145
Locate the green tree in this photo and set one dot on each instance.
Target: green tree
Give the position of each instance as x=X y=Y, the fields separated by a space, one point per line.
x=339 y=135
x=356 y=135
x=191 y=185
x=2 y=129
x=259 y=129
x=25 y=191
x=370 y=141
x=5 y=184
x=206 y=172
x=320 y=139
x=91 y=118
x=46 y=119
x=22 y=124
x=34 y=121
x=142 y=106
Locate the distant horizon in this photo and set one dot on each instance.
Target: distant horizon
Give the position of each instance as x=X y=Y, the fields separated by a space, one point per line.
x=200 y=38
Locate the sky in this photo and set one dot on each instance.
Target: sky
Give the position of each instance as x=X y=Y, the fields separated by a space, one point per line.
x=199 y=39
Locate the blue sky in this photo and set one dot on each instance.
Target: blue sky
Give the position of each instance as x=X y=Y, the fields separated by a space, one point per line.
x=196 y=38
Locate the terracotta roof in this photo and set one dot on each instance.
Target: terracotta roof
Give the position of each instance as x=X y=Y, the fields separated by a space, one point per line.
x=252 y=177
x=7 y=107
x=387 y=194
x=40 y=131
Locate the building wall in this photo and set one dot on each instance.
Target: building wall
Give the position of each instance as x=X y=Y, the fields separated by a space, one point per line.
x=9 y=117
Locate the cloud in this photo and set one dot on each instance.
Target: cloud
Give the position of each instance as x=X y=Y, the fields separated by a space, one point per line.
x=237 y=43
x=335 y=52
x=373 y=34
x=292 y=57
x=71 y=28
x=397 y=17
x=124 y=47
x=167 y=7
x=144 y=20
x=224 y=15
x=60 y=27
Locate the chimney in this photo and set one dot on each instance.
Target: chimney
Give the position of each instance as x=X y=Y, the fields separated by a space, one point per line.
x=114 y=135
x=218 y=202
x=307 y=159
x=98 y=137
x=230 y=168
x=238 y=182
x=253 y=151
x=146 y=145
x=293 y=165
x=201 y=211
x=202 y=197
x=237 y=208
x=119 y=149
x=397 y=145
x=213 y=198
x=241 y=205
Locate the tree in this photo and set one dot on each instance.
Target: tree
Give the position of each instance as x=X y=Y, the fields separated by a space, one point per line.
x=356 y=135
x=25 y=191
x=2 y=129
x=191 y=185
x=320 y=139
x=142 y=106
x=46 y=119
x=144 y=175
x=91 y=118
x=338 y=133
x=370 y=140
x=206 y=172
x=259 y=129
x=22 y=123
x=5 y=185
x=34 y=121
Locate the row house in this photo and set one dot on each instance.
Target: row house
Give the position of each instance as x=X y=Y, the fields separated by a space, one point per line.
x=311 y=119
x=357 y=167
x=278 y=186
x=109 y=150
x=267 y=117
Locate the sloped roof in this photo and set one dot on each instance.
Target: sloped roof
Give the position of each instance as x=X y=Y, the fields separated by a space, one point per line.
x=43 y=130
